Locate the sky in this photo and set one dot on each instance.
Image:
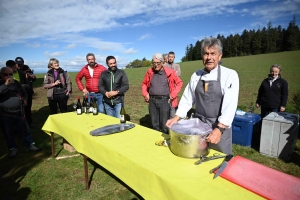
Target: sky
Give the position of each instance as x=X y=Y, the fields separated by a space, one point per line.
x=67 y=30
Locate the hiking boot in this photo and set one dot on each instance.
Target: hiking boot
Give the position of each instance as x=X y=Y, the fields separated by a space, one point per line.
x=32 y=147
x=13 y=153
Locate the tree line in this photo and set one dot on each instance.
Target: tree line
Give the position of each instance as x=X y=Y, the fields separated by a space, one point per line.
x=261 y=41
x=266 y=40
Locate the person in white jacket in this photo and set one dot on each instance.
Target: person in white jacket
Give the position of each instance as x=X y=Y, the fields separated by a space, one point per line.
x=214 y=91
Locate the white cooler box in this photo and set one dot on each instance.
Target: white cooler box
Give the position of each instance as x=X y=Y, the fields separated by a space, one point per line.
x=279 y=134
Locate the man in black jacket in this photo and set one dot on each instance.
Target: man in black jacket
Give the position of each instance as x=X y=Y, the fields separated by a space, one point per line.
x=30 y=78
x=113 y=84
x=12 y=99
x=18 y=74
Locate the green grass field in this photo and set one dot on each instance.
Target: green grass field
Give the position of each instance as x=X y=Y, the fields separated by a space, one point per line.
x=38 y=176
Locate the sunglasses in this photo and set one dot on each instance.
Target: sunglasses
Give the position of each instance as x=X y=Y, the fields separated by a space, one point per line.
x=7 y=74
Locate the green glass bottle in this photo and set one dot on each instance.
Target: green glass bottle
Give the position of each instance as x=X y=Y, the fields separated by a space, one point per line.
x=95 y=107
x=122 y=115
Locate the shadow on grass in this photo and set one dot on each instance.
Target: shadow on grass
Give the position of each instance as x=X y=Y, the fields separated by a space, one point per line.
x=13 y=170
x=97 y=166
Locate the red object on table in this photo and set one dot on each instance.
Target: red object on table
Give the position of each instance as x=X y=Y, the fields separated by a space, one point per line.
x=264 y=181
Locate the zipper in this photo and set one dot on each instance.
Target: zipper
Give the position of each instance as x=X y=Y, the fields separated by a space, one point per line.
x=112 y=80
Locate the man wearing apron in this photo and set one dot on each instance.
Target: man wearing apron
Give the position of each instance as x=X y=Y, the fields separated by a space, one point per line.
x=214 y=90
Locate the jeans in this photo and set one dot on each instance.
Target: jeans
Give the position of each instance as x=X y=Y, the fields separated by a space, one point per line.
x=113 y=110
x=266 y=110
x=9 y=124
x=99 y=98
x=159 y=110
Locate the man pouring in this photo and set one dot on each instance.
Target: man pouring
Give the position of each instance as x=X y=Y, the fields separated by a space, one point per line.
x=214 y=90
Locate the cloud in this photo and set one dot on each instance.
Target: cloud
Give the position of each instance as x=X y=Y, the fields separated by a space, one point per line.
x=143 y=37
x=50 y=45
x=54 y=54
x=33 y=45
x=130 y=51
x=45 y=19
x=71 y=46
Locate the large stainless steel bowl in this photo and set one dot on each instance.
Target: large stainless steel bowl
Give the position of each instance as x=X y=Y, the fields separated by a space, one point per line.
x=188 y=146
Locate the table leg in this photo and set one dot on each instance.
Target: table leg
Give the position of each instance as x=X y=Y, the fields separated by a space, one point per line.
x=86 y=172
x=52 y=143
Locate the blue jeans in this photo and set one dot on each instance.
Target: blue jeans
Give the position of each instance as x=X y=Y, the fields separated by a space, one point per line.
x=9 y=124
x=113 y=110
x=99 y=98
x=266 y=110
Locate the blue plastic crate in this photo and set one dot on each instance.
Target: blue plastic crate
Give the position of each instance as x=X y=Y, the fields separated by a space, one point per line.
x=246 y=129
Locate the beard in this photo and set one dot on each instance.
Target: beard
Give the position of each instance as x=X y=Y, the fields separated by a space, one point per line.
x=114 y=68
x=92 y=64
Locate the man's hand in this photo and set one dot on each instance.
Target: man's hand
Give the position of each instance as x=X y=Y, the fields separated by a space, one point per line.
x=24 y=102
x=282 y=109
x=215 y=136
x=9 y=81
x=172 y=121
x=31 y=75
x=257 y=105
x=111 y=94
x=85 y=92
x=147 y=97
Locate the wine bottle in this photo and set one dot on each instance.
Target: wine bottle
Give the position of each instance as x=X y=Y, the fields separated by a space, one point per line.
x=91 y=104
x=88 y=105
x=83 y=104
x=95 y=107
x=123 y=114
x=78 y=107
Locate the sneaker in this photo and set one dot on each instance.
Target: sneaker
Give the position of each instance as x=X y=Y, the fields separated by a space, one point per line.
x=32 y=147
x=13 y=152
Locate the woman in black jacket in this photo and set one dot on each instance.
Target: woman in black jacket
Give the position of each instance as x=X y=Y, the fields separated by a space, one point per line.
x=273 y=92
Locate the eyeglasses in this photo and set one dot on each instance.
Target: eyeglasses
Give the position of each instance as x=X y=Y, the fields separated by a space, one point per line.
x=156 y=63
x=7 y=74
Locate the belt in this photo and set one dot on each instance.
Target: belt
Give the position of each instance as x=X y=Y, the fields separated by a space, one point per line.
x=159 y=97
x=15 y=109
x=95 y=92
x=12 y=111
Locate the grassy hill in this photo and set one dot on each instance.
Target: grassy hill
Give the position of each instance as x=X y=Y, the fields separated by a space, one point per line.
x=38 y=176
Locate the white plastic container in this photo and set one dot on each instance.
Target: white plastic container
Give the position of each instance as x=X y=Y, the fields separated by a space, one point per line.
x=279 y=134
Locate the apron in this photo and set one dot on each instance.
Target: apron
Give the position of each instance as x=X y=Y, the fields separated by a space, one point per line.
x=208 y=109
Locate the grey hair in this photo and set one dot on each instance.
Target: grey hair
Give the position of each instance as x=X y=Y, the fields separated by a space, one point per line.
x=89 y=54
x=158 y=56
x=276 y=66
x=211 y=42
x=51 y=61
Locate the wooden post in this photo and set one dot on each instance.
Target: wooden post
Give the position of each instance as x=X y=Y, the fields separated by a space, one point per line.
x=52 y=143
x=86 y=174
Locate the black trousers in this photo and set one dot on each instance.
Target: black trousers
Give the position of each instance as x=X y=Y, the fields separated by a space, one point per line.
x=27 y=108
x=58 y=99
x=159 y=110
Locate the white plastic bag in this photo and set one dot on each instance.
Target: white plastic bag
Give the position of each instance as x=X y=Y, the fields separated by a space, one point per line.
x=192 y=126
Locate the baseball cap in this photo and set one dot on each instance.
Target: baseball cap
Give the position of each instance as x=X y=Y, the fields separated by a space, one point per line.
x=19 y=60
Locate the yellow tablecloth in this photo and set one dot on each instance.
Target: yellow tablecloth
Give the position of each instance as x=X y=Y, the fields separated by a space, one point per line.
x=152 y=171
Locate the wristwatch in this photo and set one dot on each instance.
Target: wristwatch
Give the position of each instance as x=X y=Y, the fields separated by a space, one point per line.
x=221 y=129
